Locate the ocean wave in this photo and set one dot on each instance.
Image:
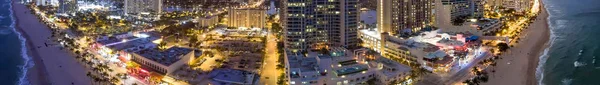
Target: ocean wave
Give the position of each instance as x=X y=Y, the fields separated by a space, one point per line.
x=566 y=81
x=539 y=73
x=27 y=63
x=5 y=31
x=579 y=64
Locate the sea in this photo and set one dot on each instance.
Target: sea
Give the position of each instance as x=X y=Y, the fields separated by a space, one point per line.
x=574 y=52
x=14 y=61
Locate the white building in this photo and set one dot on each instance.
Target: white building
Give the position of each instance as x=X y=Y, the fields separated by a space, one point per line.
x=143 y=7
x=340 y=67
x=518 y=5
x=47 y=2
x=371 y=39
x=256 y=18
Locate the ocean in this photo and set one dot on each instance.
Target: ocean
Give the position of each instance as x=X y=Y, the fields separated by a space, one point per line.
x=575 y=27
x=13 y=66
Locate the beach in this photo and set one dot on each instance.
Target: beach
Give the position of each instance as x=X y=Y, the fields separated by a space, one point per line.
x=53 y=66
x=518 y=65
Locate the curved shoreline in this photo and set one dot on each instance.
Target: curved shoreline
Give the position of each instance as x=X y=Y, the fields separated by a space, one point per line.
x=518 y=65
x=27 y=62
x=532 y=70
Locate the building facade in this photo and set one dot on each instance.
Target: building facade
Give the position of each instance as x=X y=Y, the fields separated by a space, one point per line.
x=395 y=16
x=67 y=6
x=143 y=7
x=167 y=61
x=247 y=18
x=47 y=2
x=449 y=10
x=518 y=5
x=208 y=21
x=320 y=23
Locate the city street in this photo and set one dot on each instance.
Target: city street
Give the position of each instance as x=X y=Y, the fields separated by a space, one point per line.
x=269 y=72
x=461 y=74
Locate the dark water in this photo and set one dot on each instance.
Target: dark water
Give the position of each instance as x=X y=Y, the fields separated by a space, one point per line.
x=575 y=26
x=12 y=65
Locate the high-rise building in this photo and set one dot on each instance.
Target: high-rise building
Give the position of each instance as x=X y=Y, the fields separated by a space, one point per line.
x=518 y=5
x=47 y=2
x=493 y=2
x=448 y=10
x=395 y=16
x=477 y=9
x=320 y=23
x=67 y=6
x=247 y=18
x=143 y=7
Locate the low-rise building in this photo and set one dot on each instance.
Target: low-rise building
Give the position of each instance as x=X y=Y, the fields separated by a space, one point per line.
x=165 y=61
x=389 y=70
x=233 y=77
x=489 y=26
x=435 y=50
x=371 y=39
x=117 y=47
x=338 y=66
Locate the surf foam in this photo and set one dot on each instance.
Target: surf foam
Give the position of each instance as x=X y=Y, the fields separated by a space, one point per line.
x=539 y=73
x=27 y=63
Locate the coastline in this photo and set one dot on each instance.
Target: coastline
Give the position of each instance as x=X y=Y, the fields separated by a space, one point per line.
x=518 y=65
x=56 y=66
x=36 y=75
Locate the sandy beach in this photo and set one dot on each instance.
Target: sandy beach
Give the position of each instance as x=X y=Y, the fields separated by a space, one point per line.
x=53 y=66
x=518 y=65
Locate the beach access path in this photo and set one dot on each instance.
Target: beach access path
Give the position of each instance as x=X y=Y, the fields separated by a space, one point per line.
x=53 y=66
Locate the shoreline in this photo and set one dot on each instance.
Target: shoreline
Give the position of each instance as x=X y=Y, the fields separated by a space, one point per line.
x=56 y=66
x=38 y=71
x=518 y=65
x=534 y=60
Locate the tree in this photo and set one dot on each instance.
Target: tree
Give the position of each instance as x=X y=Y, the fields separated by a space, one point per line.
x=502 y=47
x=459 y=20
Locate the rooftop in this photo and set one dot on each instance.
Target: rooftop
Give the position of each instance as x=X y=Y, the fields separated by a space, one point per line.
x=303 y=63
x=166 y=57
x=233 y=76
x=351 y=70
x=114 y=39
x=124 y=40
x=392 y=68
x=371 y=32
x=137 y=42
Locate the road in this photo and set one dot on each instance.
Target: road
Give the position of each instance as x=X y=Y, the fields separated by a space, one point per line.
x=465 y=73
x=454 y=78
x=269 y=72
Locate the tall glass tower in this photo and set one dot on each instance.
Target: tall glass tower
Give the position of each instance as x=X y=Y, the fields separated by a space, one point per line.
x=314 y=24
